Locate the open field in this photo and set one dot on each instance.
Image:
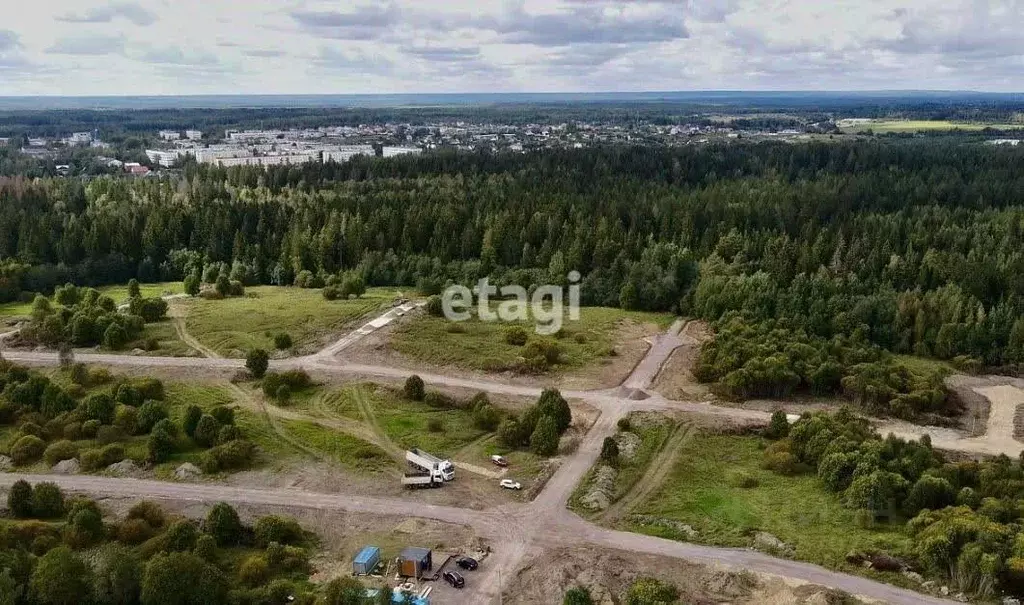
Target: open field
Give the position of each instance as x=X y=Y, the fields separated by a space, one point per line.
x=234 y=325
x=599 y=350
x=883 y=126
x=703 y=491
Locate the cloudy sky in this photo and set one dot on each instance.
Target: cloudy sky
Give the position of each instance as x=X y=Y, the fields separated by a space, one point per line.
x=108 y=47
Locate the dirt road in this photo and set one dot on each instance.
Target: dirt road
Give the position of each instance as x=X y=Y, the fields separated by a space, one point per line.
x=514 y=529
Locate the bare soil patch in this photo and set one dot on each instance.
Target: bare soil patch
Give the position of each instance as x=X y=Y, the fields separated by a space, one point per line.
x=545 y=578
x=676 y=379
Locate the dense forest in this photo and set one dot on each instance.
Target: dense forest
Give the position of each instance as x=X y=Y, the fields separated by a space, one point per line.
x=814 y=259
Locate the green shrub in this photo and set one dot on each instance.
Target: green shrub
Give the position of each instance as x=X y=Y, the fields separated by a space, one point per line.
x=434 y=425
x=47 y=501
x=223 y=414
x=150 y=413
x=223 y=524
x=61 y=578
x=58 y=451
x=126 y=418
x=206 y=431
x=254 y=570
x=743 y=480
x=19 y=499
x=273 y=528
x=134 y=532
x=282 y=340
x=206 y=548
x=257 y=361
x=90 y=428
x=27 y=449
x=414 y=388
x=516 y=336
x=150 y=512
x=192 y=415
x=185 y=576
x=228 y=456
x=109 y=434
x=181 y=536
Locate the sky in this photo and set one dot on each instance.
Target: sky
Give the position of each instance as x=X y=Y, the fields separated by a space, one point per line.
x=163 y=47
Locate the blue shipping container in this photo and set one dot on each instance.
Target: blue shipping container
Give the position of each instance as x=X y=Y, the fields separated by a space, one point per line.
x=366 y=561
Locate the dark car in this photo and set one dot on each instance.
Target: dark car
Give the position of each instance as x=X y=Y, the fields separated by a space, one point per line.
x=468 y=563
x=455 y=579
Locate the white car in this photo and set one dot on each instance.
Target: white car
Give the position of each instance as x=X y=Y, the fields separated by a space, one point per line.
x=510 y=484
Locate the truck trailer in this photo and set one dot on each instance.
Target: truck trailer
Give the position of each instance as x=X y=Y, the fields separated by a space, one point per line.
x=428 y=463
x=421 y=480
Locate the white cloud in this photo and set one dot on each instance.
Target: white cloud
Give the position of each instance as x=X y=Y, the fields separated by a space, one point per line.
x=379 y=46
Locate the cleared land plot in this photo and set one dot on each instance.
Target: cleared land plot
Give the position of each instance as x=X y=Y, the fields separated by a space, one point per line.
x=600 y=349
x=703 y=491
x=234 y=325
x=882 y=126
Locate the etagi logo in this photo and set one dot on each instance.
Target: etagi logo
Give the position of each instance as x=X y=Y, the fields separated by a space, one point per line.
x=546 y=307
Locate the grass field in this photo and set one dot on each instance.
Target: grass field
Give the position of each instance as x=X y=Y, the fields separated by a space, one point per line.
x=480 y=345
x=234 y=325
x=700 y=491
x=349 y=452
x=883 y=126
x=405 y=423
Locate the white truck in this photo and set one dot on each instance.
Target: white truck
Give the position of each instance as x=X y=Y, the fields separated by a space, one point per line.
x=428 y=463
x=421 y=480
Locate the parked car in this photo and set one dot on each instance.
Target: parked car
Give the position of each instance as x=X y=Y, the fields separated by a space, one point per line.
x=455 y=579
x=499 y=460
x=510 y=484
x=467 y=563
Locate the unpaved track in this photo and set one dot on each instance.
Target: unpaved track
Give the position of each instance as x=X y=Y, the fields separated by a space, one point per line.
x=513 y=529
x=655 y=475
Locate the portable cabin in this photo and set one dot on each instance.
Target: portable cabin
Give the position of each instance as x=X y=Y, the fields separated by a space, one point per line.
x=414 y=561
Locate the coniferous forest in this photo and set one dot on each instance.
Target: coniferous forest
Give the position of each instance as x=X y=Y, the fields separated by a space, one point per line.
x=815 y=262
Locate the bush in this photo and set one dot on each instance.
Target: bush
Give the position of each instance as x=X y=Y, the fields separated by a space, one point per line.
x=228 y=456
x=150 y=414
x=181 y=536
x=150 y=388
x=206 y=431
x=109 y=434
x=47 y=501
x=223 y=414
x=435 y=307
x=743 y=480
x=544 y=440
x=85 y=524
x=183 y=577
x=134 y=532
x=257 y=361
x=128 y=395
x=126 y=418
x=118 y=576
x=61 y=578
x=19 y=499
x=578 y=596
x=99 y=407
x=223 y=524
x=516 y=336
x=90 y=428
x=150 y=512
x=228 y=433
x=283 y=394
x=60 y=450
x=647 y=591
x=438 y=400
x=254 y=570
x=27 y=449
x=206 y=548
x=434 y=425
x=273 y=528
x=282 y=340
x=783 y=463
x=624 y=424
x=72 y=431
x=414 y=388
x=192 y=416
x=610 y=450
x=778 y=427
x=161 y=443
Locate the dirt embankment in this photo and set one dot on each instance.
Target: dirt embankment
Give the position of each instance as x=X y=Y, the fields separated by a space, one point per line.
x=608 y=574
x=676 y=379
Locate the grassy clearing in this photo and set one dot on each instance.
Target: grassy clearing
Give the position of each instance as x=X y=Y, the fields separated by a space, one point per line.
x=349 y=452
x=701 y=491
x=405 y=423
x=235 y=325
x=883 y=126
x=480 y=345
x=119 y=293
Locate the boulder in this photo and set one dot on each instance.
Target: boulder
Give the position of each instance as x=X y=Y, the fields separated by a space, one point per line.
x=913 y=576
x=628 y=444
x=66 y=467
x=187 y=471
x=5 y=463
x=768 y=543
x=124 y=468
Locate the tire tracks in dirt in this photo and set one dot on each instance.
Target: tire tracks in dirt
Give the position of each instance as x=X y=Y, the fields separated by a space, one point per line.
x=654 y=476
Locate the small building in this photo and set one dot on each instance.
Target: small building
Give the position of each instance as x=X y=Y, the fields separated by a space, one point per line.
x=414 y=561
x=193 y=135
x=366 y=561
x=170 y=135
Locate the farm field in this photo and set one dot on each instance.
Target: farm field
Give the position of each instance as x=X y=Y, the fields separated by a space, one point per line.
x=235 y=325
x=705 y=490
x=598 y=350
